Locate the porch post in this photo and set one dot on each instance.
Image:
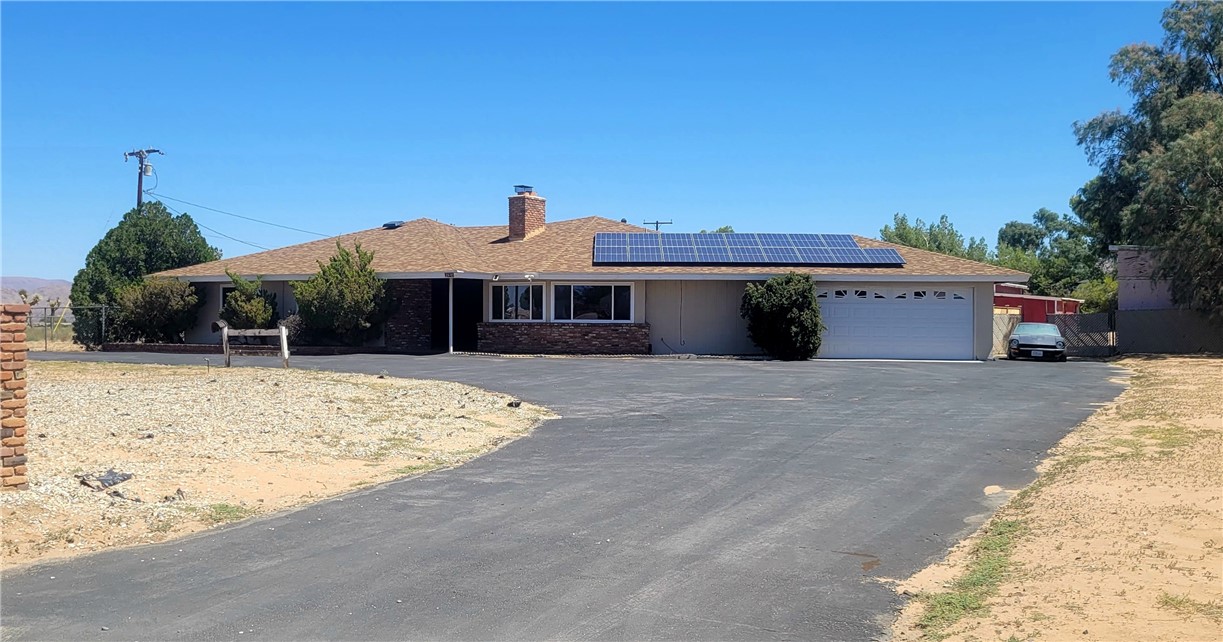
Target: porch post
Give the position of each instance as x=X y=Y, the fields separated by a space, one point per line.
x=450 y=324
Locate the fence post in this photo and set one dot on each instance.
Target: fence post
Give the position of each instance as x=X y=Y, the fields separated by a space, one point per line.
x=102 y=339
x=284 y=345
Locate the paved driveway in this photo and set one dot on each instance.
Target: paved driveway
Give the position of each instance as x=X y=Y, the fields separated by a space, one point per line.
x=674 y=499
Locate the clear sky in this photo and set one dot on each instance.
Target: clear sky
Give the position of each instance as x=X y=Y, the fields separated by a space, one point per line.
x=336 y=117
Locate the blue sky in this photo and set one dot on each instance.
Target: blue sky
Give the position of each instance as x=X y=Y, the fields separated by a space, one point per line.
x=335 y=117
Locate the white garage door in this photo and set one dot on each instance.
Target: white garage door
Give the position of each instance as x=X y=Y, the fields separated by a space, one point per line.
x=914 y=322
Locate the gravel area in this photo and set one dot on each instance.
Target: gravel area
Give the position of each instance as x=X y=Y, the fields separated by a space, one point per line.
x=1121 y=537
x=207 y=446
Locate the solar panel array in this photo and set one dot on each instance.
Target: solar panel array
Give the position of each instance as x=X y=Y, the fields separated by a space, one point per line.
x=621 y=248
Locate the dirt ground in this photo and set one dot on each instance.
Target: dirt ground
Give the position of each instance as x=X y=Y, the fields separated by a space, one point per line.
x=1120 y=538
x=208 y=446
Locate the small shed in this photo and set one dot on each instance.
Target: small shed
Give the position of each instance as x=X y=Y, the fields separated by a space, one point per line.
x=1033 y=308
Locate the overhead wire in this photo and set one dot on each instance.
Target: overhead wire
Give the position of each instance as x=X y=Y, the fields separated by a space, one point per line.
x=248 y=218
x=218 y=233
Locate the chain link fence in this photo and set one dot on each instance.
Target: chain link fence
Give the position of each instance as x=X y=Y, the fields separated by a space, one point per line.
x=62 y=328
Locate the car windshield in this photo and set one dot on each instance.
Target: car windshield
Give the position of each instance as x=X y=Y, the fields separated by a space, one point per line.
x=1037 y=328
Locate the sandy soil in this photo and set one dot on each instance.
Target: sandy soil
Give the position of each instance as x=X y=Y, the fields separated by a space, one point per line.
x=1122 y=533
x=235 y=442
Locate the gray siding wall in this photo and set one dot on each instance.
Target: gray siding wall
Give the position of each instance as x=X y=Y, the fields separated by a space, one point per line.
x=697 y=317
x=202 y=332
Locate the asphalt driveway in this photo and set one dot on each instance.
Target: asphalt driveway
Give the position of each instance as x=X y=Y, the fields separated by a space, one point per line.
x=673 y=500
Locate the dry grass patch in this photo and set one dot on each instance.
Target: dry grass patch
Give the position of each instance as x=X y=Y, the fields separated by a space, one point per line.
x=1119 y=538
x=236 y=442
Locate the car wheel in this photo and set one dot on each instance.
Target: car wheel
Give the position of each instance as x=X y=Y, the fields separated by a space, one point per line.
x=1010 y=356
x=1061 y=357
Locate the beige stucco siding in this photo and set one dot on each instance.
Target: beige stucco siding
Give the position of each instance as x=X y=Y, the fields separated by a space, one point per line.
x=982 y=320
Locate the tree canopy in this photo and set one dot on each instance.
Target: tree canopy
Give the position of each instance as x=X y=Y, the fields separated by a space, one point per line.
x=1056 y=249
x=940 y=237
x=147 y=240
x=1161 y=162
x=725 y=229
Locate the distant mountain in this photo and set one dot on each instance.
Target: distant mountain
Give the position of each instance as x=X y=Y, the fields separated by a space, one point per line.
x=48 y=289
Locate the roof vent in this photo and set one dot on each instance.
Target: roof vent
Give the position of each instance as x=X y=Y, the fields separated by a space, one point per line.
x=390 y=225
x=524 y=189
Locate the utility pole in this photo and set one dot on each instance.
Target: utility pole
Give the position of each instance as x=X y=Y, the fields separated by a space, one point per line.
x=656 y=223
x=145 y=169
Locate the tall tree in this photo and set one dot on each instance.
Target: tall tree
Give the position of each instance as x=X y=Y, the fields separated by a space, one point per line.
x=1161 y=163
x=940 y=237
x=147 y=240
x=1054 y=248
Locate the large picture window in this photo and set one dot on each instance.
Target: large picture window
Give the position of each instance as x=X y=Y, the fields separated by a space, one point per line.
x=592 y=302
x=518 y=302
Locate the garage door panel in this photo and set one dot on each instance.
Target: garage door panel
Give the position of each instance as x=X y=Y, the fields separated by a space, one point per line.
x=914 y=322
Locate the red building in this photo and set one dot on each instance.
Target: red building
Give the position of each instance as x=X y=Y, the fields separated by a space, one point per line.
x=1009 y=297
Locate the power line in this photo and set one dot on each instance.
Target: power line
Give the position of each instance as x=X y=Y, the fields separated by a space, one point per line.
x=255 y=245
x=248 y=218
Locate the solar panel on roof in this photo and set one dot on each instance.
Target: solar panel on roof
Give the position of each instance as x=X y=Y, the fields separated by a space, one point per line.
x=647 y=248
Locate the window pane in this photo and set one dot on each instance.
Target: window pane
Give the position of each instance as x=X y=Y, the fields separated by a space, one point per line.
x=592 y=302
x=562 y=303
x=537 y=302
x=524 y=301
x=498 y=303
x=623 y=303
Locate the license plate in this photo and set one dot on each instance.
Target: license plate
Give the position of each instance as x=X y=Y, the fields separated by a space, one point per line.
x=1038 y=353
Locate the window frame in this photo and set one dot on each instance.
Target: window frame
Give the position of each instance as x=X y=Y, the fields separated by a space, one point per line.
x=492 y=288
x=632 y=301
x=225 y=290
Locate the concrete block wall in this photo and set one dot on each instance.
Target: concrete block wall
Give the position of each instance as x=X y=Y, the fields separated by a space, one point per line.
x=13 y=319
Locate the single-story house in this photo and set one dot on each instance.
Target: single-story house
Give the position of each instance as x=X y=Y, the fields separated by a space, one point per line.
x=599 y=286
x=1032 y=308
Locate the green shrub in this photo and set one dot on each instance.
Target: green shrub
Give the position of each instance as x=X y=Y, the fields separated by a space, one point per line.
x=345 y=300
x=249 y=306
x=783 y=317
x=157 y=311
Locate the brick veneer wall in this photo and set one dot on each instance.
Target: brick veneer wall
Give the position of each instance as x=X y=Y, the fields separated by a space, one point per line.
x=13 y=320
x=410 y=327
x=565 y=338
x=527 y=214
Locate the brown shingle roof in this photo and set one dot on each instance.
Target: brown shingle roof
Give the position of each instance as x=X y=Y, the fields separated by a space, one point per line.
x=562 y=247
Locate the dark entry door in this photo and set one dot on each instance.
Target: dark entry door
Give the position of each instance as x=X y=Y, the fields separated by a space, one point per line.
x=468 y=312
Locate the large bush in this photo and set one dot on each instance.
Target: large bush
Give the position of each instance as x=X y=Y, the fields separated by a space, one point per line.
x=147 y=240
x=156 y=311
x=248 y=306
x=345 y=300
x=783 y=316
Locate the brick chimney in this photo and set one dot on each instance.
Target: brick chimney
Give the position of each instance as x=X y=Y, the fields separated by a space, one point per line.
x=526 y=212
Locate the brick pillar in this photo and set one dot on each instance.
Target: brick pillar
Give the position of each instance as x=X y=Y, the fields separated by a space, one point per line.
x=13 y=320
